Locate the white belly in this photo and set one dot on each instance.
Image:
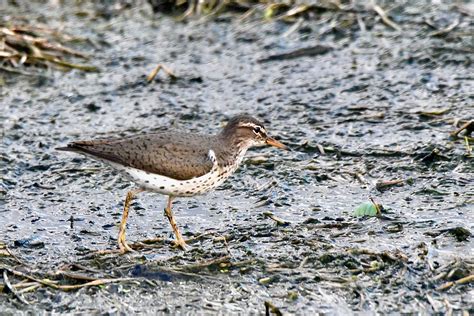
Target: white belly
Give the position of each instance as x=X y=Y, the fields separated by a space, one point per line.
x=169 y=186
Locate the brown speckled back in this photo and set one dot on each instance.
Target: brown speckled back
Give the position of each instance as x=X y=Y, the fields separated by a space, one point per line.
x=176 y=155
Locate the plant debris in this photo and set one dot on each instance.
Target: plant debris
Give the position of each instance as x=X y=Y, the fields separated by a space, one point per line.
x=157 y=69
x=368 y=209
x=24 y=46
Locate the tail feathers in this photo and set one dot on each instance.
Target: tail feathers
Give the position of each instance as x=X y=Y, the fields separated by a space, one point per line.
x=91 y=148
x=67 y=148
x=74 y=147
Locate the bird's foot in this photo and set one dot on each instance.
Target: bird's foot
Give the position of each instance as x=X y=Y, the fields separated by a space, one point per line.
x=151 y=243
x=123 y=246
x=180 y=243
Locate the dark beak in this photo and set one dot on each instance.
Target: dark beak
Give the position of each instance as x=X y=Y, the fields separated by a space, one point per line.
x=273 y=142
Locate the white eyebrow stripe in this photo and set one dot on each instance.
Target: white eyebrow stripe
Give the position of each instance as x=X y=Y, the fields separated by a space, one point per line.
x=247 y=125
x=253 y=125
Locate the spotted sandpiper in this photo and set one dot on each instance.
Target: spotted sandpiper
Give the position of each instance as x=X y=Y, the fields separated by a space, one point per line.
x=175 y=163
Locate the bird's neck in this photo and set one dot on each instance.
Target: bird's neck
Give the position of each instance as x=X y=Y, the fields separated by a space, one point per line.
x=232 y=146
x=234 y=142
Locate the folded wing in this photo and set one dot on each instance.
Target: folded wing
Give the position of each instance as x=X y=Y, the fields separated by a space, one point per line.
x=178 y=156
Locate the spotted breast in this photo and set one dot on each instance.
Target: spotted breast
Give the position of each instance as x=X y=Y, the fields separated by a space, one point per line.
x=194 y=186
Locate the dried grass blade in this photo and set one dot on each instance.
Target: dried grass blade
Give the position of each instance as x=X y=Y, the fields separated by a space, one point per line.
x=385 y=18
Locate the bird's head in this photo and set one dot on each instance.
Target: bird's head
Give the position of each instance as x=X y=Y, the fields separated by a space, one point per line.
x=246 y=131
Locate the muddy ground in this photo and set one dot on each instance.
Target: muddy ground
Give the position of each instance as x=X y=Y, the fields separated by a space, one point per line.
x=379 y=105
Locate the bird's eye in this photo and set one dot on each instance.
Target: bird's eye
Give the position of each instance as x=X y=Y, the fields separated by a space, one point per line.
x=257 y=130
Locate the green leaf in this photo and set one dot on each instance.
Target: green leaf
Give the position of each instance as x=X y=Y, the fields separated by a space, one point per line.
x=367 y=209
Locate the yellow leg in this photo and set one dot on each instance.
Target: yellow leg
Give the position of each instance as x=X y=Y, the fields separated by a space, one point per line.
x=124 y=247
x=179 y=239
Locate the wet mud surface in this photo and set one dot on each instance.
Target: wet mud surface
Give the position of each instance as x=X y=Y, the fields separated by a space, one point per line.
x=379 y=105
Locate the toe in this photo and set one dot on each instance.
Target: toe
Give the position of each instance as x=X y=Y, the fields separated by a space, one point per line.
x=181 y=244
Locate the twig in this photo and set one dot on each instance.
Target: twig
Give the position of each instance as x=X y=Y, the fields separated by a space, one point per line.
x=379 y=185
x=293 y=28
x=32 y=287
x=81 y=267
x=278 y=220
x=377 y=206
x=294 y=11
x=198 y=237
x=148 y=243
x=385 y=18
x=434 y=112
x=361 y=23
x=205 y=264
x=303 y=262
x=361 y=178
x=21 y=72
x=66 y=64
x=432 y=302
x=449 y=307
x=439 y=276
x=53 y=284
x=60 y=48
x=10 y=253
x=23 y=284
x=92 y=283
x=102 y=252
x=155 y=71
x=243 y=263
x=464 y=280
x=446 y=30
x=468 y=125
x=75 y=276
x=367 y=270
x=321 y=149
x=12 y=289
x=468 y=147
